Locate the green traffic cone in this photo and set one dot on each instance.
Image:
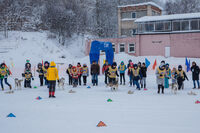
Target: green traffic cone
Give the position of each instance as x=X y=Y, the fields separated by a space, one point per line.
x=35 y=87
x=109 y=100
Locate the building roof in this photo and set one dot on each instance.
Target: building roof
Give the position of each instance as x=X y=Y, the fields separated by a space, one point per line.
x=168 y=17
x=142 y=4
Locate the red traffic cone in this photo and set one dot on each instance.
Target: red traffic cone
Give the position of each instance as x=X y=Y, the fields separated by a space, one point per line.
x=101 y=124
x=197 y=102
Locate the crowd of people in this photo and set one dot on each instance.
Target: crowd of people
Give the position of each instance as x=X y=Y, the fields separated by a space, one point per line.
x=137 y=73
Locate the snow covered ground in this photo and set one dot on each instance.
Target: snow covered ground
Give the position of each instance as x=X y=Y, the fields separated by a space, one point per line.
x=141 y=112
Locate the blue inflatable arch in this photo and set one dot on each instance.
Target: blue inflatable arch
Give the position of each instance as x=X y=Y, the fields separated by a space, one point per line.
x=96 y=46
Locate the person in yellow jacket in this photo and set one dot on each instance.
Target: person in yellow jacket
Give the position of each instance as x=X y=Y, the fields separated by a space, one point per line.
x=52 y=76
x=112 y=73
x=160 y=76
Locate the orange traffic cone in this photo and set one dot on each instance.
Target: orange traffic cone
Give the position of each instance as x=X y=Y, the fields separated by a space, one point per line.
x=101 y=124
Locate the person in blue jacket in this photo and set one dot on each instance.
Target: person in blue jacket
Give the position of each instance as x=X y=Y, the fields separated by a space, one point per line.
x=122 y=68
x=167 y=75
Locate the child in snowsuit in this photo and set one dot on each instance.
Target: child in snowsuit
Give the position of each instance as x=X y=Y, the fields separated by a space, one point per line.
x=143 y=70
x=174 y=76
x=112 y=73
x=160 y=74
x=122 y=68
x=4 y=73
x=85 y=73
x=195 y=74
x=128 y=66
x=75 y=75
x=95 y=70
x=129 y=73
x=28 y=76
x=181 y=76
x=167 y=75
x=79 y=69
x=104 y=70
x=45 y=68
x=52 y=76
x=135 y=76
x=69 y=69
x=41 y=73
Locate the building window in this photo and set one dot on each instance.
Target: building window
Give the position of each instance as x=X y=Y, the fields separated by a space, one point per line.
x=194 y=24
x=176 y=26
x=121 y=48
x=167 y=26
x=159 y=26
x=113 y=46
x=133 y=14
x=185 y=25
x=141 y=14
x=149 y=27
x=131 y=48
x=133 y=32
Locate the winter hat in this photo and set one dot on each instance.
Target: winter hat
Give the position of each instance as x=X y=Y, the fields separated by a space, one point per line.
x=3 y=64
x=84 y=65
x=180 y=67
x=78 y=64
x=39 y=64
x=114 y=64
x=135 y=65
x=130 y=61
x=122 y=62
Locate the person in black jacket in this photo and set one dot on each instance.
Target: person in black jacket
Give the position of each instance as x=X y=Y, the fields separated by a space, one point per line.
x=41 y=73
x=144 y=75
x=68 y=71
x=195 y=74
x=95 y=70
x=181 y=76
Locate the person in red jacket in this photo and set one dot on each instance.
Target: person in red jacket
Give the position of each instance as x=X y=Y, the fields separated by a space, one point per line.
x=105 y=67
x=80 y=71
x=75 y=75
x=129 y=73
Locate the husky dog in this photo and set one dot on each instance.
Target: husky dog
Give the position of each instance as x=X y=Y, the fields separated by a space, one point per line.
x=61 y=83
x=18 y=83
x=114 y=85
x=130 y=92
x=71 y=91
x=192 y=93
x=174 y=87
x=9 y=92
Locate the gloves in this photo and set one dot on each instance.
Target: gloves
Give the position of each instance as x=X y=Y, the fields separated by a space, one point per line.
x=32 y=78
x=58 y=80
x=161 y=75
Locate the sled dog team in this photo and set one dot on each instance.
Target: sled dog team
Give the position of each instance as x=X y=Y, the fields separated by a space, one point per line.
x=137 y=73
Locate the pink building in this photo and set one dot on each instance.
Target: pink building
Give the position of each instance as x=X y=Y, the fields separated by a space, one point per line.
x=168 y=35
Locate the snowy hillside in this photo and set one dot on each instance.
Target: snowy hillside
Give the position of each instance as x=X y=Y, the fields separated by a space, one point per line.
x=142 y=112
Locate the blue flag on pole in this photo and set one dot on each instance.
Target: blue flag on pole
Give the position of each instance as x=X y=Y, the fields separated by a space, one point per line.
x=187 y=63
x=147 y=62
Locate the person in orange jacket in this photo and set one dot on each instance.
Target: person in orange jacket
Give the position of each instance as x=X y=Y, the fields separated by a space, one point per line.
x=80 y=71
x=52 y=76
x=74 y=75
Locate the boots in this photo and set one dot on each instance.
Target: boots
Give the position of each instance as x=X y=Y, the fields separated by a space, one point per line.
x=50 y=95
x=144 y=86
x=53 y=93
x=158 y=89
x=162 y=89
x=10 y=87
x=141 y=85
x=2 y=89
